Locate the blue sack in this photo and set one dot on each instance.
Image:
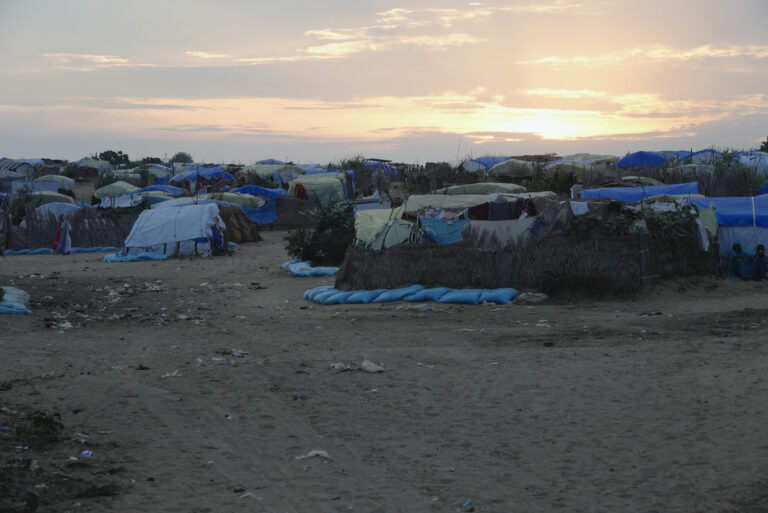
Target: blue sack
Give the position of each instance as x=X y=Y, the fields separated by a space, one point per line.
x=365 y=296
x=499 y=296
x=465 y=296
x=433 y=294
x=397 y=294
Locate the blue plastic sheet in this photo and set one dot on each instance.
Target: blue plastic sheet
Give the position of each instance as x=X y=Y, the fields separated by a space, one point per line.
x=264 y=215
x=255 y=190
x=645 y=160
x=119 y=257
x=14 y=301
x=328 y=295
x=443 y=231
x=634 y=194
x=737 y=211
x=49 y=251
x=305 y=269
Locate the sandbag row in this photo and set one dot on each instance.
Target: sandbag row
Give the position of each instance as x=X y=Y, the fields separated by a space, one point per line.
x=328 y=295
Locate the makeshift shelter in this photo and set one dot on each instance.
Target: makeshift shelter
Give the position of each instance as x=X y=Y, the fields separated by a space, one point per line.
x=177 y=231
x=167 y=189
x=56 y=208
x=481 y=188
x=101 y=166
x=115 y=189
x=323 y=188
x=244 y=200
x=703 y=157
x=513 y=168
x=740 y=219
x=633 y=194
x=418 y=202
x=195 y=173
x=754 y=160
x=43 y=197
x=281 y=174
x=16 y=169
x=63 y=183
x=482 y=163
x=646 y=160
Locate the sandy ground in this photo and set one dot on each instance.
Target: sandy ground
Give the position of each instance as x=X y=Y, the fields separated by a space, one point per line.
x=588 y=404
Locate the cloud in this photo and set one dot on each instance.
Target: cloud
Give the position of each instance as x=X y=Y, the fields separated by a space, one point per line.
x=90 y=62
x=206 y=55
x=657 y=54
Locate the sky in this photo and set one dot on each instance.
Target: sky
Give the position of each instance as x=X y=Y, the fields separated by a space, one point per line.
x=236 y=81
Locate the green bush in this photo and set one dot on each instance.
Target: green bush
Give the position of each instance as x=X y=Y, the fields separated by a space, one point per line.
x=328 y=241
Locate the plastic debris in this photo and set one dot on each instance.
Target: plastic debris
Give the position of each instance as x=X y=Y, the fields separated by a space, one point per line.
x=315 y=453
x=369 y=366
x=86 y=454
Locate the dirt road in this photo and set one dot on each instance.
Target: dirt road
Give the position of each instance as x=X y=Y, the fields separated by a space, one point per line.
x=202 y=385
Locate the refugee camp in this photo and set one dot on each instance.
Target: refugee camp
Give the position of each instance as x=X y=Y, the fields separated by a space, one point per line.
x=486 y=256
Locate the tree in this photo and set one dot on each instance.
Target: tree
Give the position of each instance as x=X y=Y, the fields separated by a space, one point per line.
x=764 y=146
x=115 y=158
x=182 y=157
x=151 y=160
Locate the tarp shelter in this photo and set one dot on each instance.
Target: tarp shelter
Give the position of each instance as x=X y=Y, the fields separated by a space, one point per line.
x=44 y=197
x=325 y=188
x=56 y=208
x=754 y=160
x=271 y=162
x=706 y=157
x=513 y=168
x=645 y=160
x=255 y=190
x=389 y=171
x=16 y=169
x=279 y=173
x=115 y=189
x=417 y=202
x=589 y=161
x=177 y=231
x=62 y=182
x=102 y=166
x=740 y=219
x=244 y=200
x=168 y=189
x=206 y=173
x=633 y=194
x=482 y=163
x=481 y=188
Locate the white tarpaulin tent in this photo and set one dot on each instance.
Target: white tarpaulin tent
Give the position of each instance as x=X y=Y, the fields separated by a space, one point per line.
x=177 y=231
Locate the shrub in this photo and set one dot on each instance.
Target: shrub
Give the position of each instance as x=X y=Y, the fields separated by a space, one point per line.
x=328 y=241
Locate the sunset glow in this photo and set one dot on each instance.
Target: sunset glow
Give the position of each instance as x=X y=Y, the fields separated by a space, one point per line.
x=407 y=80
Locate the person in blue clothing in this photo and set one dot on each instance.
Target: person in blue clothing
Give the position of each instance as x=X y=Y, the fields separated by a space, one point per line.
x=736 y=257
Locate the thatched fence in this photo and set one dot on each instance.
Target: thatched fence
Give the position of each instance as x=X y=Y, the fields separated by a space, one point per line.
x=89 y=227
x=565 y=260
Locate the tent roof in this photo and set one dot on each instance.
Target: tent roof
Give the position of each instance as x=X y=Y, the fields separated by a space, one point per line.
x=64 y=181
x=737 y=211
x=633 y=194
x=482 y=163
x=481 y=188
x=115 y=189
x=168 y=225
x=645 y=160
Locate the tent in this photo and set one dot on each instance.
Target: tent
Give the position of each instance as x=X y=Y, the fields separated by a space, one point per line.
x=206 y=173
x=56 y=208
x=645 y=160
x=261 y=191
x=754 y=160
x=740 y=219
x=102 y=166
x=325 y=188
x=244 y=200
x=63 y=182
x=173 y=191
x=417 y=202
x=707 y=157
x=115 y=189
x=16 y=169
x=481 y=188
x=280 y=173
x=177 y=231
x=589 y=161
x=513 y=168
x=482 y=163
x=44 y=197
x=633 y=194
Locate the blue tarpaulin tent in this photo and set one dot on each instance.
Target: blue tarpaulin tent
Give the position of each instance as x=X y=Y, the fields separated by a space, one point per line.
x=742 y=211
x=645 y=160
x=203 y=172
x=173 y=191
x=633 y=194
x=260 y=191
x=483 y=163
